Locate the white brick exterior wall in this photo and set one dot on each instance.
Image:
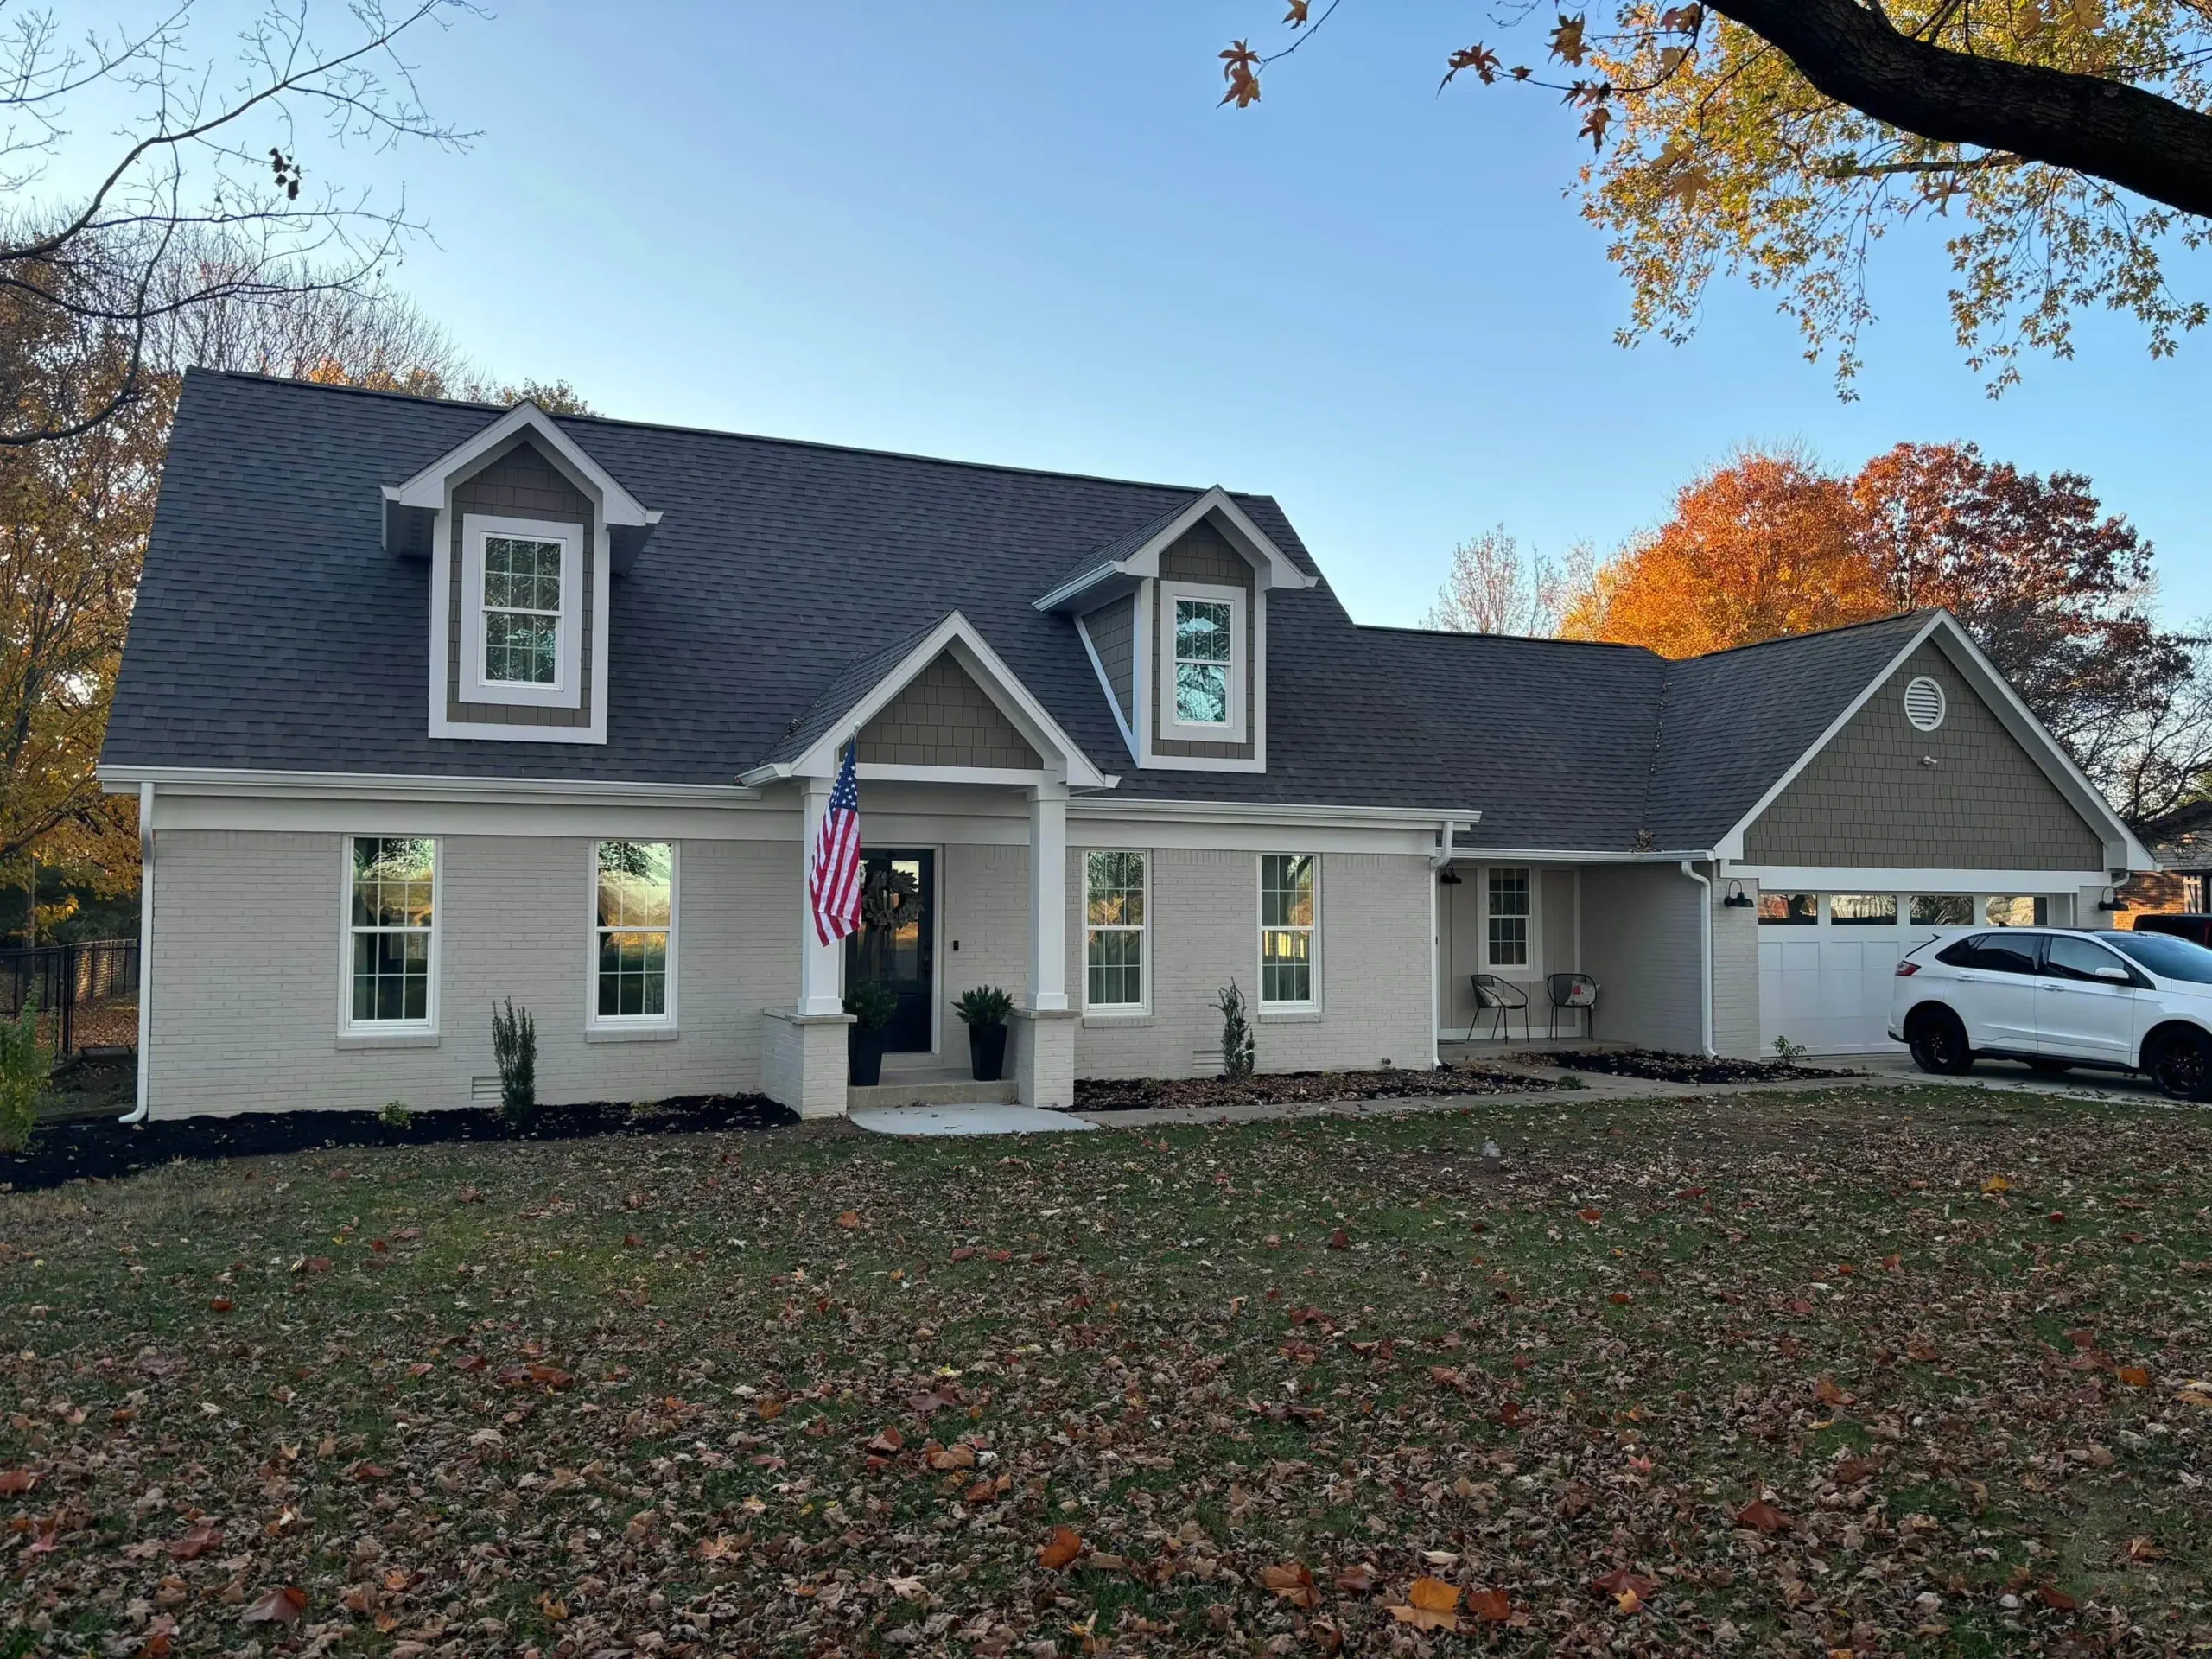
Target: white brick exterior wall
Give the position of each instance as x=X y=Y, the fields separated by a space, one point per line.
x=247 y=955
x=1205 y=909
x=248 y=962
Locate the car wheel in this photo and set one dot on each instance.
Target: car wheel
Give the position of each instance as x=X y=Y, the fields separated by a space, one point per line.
x=2050 y=1068
x=2181 y=1064
x=1938 y=1042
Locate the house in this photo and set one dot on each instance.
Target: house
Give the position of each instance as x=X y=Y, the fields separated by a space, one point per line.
x=430 y=705
x=2181 y=843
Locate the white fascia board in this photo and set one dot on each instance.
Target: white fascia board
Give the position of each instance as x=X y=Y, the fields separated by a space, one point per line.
x=1275 y=568
x=998 y=682
x=1805 y=878
x=245 y=781
x=1576 y=855
x=428 y=487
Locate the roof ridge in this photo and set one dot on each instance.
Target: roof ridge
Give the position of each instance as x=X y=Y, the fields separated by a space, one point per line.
x=744 y=437
x=1811 y=633
x=1524 y=638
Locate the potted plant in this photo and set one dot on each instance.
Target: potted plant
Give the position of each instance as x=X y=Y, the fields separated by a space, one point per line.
x=984 y=1011
x=871 y=1007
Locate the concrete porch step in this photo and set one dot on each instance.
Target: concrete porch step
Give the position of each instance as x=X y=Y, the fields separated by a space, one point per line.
x=930 y=1088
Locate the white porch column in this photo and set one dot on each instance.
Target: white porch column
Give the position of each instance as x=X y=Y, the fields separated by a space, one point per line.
x=1043 y=1033
x=1048 y=898
x=821 y=967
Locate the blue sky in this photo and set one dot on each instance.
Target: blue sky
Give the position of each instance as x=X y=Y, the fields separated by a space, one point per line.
x=1024 y=234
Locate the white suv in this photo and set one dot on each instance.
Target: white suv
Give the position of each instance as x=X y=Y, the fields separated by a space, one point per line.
x=2056 y=998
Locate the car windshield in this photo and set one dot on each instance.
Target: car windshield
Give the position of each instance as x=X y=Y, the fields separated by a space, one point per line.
x=2165 y=955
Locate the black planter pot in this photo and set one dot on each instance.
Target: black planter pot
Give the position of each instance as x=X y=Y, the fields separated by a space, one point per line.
x=987 y=1052
x=864 y=1056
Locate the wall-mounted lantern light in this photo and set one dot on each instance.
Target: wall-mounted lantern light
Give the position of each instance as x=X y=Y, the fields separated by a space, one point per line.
x=1737 y=899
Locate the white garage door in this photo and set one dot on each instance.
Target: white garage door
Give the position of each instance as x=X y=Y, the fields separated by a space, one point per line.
x=1826 y=983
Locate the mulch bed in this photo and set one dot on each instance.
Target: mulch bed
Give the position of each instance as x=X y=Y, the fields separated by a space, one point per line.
x=1680 y=1068
x=1282 y=1088
x=104 y=1150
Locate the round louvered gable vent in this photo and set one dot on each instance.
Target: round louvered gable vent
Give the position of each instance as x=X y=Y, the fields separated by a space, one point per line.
x=1923 y=705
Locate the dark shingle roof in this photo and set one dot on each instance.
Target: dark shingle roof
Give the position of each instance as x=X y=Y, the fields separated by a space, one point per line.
x=273 y=632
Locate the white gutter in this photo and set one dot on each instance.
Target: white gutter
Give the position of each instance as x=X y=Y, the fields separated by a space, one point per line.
x=137 y=1112
x=354 y=785
x=1704 y=954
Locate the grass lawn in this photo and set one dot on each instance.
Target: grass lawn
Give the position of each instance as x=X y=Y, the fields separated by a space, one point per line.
x=1870 y=1371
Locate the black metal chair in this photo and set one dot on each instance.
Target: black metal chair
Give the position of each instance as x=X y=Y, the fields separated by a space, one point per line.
x=1500 y=998
x=1571 y=991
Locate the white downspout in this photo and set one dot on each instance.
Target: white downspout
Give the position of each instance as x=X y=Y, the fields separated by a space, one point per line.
x=1440 y=861
x=137 y=1112
x=1704 y=954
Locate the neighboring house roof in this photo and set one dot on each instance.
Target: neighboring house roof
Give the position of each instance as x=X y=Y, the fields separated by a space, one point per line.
x=2181 y=839
x=784 y=579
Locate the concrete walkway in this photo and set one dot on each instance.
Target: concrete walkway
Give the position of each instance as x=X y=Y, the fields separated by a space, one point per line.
x=987 y=1119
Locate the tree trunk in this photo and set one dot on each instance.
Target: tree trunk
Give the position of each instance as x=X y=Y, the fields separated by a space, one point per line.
x=2084 y=123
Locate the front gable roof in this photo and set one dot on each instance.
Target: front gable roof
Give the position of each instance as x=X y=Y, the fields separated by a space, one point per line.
x=867 y=686
x=1133 y=556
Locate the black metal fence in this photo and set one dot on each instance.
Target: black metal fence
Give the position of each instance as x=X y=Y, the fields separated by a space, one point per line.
x=87 y=993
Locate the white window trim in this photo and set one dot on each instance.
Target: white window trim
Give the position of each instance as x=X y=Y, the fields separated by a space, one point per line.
x=566 y=691
x=1172 y=729
x=1142 y=1006
x=1532 y=970
x=593 y=1019
x=348 y=1027
x=1312 y=1003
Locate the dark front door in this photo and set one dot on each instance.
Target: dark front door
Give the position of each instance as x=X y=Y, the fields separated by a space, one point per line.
x=894 y=946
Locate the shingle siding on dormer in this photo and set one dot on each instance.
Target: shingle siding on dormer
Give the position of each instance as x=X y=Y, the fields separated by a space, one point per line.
x=1867 y=798
x=519 y=484
x=1203 y=553
x=944 y=719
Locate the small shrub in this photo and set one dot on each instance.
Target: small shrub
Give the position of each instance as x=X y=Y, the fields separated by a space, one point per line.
x=514 y=1045
x=25 y=1070
x=396 y=1115
x=1787 y=1051
x=987 y=1005
x=642 y=1109
x=1573 y=1080
x=871 y=1006
x=1236 y=1048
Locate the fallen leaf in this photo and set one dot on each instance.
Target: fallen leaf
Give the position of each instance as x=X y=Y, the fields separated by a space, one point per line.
x=889 y=1443
x=1829 y=1395
x=1358 y=1580
x=14 y=1481
x=281 y=1605
x=2135 y=1377
x=848 y=1219
x=1430 y=1603
x=197 y=1542
x=1997 y=1184
x=1592 y=1215
x=1339 y=1240
x=1491 y=1606
x=1763 y=1516
x=1065 y=1544
x=1293 y=1582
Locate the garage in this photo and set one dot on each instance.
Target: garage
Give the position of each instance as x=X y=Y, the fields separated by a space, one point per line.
x=1827 y=960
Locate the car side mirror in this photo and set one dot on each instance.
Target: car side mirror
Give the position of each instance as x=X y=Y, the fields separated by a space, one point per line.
x=2114 y=976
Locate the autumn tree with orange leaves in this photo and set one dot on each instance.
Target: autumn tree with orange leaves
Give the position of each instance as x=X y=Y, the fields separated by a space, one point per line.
x=2063 y=147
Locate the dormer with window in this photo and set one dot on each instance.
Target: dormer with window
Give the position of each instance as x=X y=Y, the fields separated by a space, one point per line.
x=524 y=532
x=1175 y=617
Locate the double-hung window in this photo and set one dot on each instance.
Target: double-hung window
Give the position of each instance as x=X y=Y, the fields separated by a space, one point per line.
x=1114 y=931
x=521 y=618
x=1202 y=663
x=633 y=933
x=391 y=933
x=1287 y=929
x=1508 y=906
x=522 y=610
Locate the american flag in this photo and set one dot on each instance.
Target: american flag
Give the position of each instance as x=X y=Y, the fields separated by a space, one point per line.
x=833 y=881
